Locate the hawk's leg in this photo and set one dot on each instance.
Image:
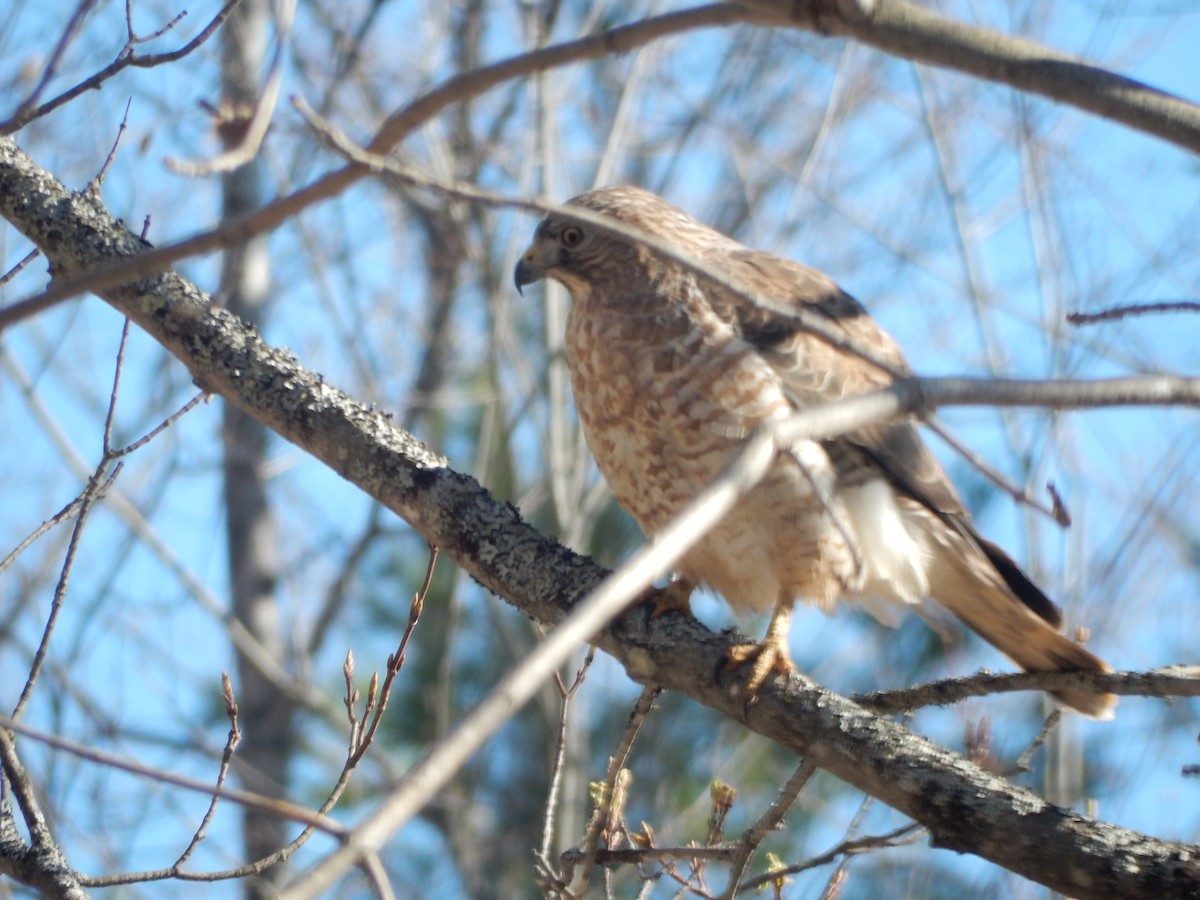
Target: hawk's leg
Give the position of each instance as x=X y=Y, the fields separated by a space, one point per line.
x=676 y=597
x=771 y=655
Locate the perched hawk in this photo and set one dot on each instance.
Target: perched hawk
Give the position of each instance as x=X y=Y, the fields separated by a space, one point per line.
x=672 y=371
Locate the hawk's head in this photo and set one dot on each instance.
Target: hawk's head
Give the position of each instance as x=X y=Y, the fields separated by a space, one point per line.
x=559 y=250
x=576 y=254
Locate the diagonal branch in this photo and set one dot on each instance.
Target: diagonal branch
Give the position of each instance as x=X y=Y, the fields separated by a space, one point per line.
x=40 y=864
x=964 y=807
x=914 y=32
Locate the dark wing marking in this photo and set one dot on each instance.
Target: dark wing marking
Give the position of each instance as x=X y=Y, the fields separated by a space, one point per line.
x=816 y=372
x=1018 y=582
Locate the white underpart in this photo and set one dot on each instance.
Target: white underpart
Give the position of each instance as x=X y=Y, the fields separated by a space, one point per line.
x=894 y=554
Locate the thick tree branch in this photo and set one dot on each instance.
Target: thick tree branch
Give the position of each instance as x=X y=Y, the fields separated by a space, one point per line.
x=914 y=32
x=40 y=863
x=963 y=807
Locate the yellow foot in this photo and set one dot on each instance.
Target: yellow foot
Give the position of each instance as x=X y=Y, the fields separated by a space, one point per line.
x=676 y=597
x=767 y=657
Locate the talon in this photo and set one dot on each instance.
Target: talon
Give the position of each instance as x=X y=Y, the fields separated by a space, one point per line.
x=768 y=657
x=771 y=655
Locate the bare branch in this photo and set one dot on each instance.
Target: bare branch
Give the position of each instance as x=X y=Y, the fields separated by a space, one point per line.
x=51 y=68
x=1057 y=512
x=1135 y=309
x=560 y=751
x=250 y=127
x=233 y=738
x=914 y=32
x=765 y=823
x=905 y=834
x=1172 y=681
x=15 y=270
x=272 y=805
x=41 y=864
x=608 y=806
x=96 y=488
x=95 y=183
x=376 y=703
x=125 y=58
x=1023 y=761
x=132 y=37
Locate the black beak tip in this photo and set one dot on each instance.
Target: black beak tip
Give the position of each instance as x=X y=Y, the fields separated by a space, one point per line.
x=524 y=274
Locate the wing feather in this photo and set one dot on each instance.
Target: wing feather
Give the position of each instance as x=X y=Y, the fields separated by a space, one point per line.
x=816 y=372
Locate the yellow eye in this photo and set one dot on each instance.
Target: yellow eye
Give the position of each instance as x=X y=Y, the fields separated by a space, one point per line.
x=571 y=236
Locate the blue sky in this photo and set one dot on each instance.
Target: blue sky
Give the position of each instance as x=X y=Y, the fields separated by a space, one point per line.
x=1107 y=216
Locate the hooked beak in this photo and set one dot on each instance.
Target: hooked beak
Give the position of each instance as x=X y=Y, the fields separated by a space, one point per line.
x=528 y=269
x=526 y=272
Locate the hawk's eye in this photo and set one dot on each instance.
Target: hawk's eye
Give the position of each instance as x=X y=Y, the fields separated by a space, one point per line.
x=571 y=236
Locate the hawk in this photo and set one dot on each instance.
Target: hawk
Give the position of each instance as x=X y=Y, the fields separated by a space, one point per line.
x=672 y=370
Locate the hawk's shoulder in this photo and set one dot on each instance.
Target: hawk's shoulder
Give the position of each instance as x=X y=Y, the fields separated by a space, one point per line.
x=788 y=285
x=813 y=371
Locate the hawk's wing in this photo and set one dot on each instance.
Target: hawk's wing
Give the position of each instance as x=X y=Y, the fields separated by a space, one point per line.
x=816 y=372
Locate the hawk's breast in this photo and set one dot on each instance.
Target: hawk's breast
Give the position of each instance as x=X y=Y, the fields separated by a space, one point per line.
x=667 y=394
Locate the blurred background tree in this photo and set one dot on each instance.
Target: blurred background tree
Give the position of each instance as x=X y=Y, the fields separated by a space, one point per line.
x=969 y=217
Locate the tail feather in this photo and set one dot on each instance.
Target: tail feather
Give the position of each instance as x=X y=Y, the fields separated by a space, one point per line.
x=979 y=590
x=1018 y=582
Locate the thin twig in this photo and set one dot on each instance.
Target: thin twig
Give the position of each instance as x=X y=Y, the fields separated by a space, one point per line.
x=95 y=183
x=906 y=834
x=12 y=273
x=1133 y=309
x=111 y=415
x=232 y=739
x=1172 y=681
x=602 y=824
x=161 y=426
x=1054 y=512
x=248 y=799
x=56 y=55
x=374 y=711
x=124 y=59
x=566 y=694
x=61 y=516
x=132 y=37
x=766 y=823
x=837 y=878
x=95 y=490
x=1023 y=761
